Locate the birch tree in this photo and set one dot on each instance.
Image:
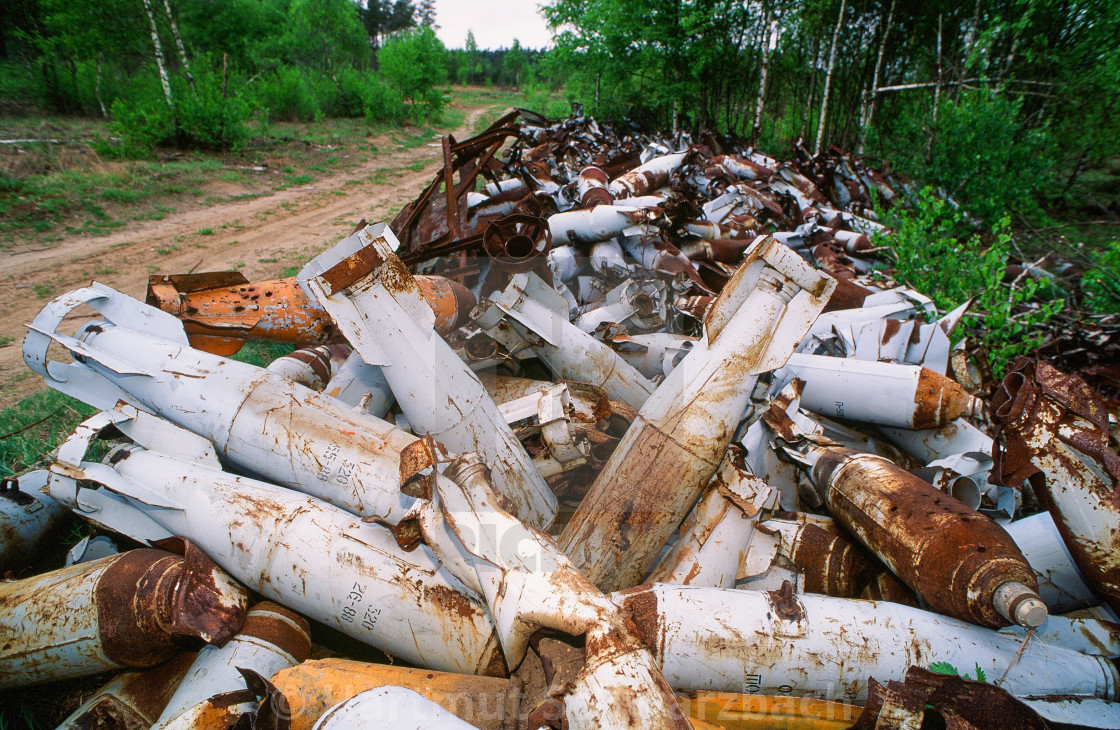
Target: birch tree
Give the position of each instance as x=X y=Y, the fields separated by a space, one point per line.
x=160 y=62
x=828 y=78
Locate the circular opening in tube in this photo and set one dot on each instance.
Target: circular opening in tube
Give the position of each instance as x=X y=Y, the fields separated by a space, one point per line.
x=644 y=304
x=519 y=247
x=965 y=490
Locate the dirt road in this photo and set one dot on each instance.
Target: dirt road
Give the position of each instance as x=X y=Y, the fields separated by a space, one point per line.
x=259 y=237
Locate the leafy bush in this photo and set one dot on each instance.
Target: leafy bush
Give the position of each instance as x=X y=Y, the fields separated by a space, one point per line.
x=414 y=63
x=212 y=118
x=983 y=155
x=950 y=270
x=1101 y=283
x=287 y=95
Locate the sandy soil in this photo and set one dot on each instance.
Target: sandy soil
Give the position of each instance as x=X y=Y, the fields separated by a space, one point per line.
x=284 y=228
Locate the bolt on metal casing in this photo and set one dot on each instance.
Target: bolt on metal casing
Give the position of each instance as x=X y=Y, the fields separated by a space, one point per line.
x=1057 y=425
x=528 y=310
x=960 y=562
x=778 y=642
x=888 y=394
x=299 y=551
x=374 y=300
x=271 y=639
x=681 y=433
x=259 y=421
x=128 y=610
x=313 y=687
x=131 y=700
x=27 y=517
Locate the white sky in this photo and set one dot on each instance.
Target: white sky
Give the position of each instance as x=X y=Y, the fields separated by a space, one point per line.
x=495 y=23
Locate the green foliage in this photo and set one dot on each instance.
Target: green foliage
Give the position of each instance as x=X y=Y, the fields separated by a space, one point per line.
x=1101 y=283
x=287 y=94
x=983 y=156
x=47 y=418
x=414 y=63
x=947 y=668
x=326 y=34
x=951 y=269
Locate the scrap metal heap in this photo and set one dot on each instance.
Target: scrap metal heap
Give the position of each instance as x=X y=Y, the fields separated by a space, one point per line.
x=603 y=430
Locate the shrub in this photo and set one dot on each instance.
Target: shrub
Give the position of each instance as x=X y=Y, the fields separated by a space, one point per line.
x=287 y=95
x=950 y=270
x=414 y=63
x=1101 y=283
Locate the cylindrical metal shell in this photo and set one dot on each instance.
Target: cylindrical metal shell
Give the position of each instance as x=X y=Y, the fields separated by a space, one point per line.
x=221 y=319
x=27 y=516
x=1060 y=584
x=955 y=558
x=273 y=638
x=824 y=647
x=126 y=610
x=313 y=687
x=395 y=707
x=324 y=563
x=889 y=394
x=311 y=367
x=132 y=700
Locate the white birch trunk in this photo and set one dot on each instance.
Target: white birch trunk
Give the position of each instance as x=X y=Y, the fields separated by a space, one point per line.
x=828 y=78
x=179 y=44
x=160 y=63
x=865 y=127
x=771 y=29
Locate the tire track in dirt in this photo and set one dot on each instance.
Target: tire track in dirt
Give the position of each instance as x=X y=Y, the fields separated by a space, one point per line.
x=284 y=228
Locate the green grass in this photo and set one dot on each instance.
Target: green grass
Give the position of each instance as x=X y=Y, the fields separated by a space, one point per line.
x=206 y=231
x=23 y=450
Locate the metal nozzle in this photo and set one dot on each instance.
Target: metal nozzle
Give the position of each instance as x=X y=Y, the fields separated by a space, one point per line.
x=1020 y=605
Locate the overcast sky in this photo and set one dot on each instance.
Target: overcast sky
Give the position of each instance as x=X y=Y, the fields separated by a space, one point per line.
x=495 y=23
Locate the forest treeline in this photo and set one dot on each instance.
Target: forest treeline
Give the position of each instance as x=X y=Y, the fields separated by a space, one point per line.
x=999 y=103
x=206 y=73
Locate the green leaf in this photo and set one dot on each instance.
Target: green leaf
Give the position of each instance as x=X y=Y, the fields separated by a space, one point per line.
x=980 y=676
x=943 y=668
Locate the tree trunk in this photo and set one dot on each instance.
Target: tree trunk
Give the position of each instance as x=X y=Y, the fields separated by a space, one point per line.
x=828 y=78
x=936 y=95
x=97 y=88
x=179 y=45
x=160 y=63
x=865 y=127
x=771 y=24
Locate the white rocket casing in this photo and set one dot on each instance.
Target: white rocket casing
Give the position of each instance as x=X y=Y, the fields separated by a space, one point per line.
x=715 y=537
x=293 y=549
x=608 y=255
x=1060 y=583
x=579 y=227
x=258 y=421
x=529 y=310
x=377 y=304
x=272 y=639
x=752 y=327
x=883 y=393
x=653 y=354
x=640 y=305
x=393 y=707
x=929 y=444
x=817 y=646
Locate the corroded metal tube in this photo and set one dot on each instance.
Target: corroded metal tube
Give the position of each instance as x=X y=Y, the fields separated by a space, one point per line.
x=132 y=700
x=959 y=561
x=126 y=610
x=221 y=311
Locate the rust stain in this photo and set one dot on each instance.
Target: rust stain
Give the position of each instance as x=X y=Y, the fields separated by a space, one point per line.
x=785 y=604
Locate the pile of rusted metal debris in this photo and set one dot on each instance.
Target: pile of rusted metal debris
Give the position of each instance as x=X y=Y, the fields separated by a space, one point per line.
x=603 y=430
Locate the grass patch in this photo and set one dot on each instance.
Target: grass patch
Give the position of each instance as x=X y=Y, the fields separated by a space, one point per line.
x=206 y=231
x=43 y=291
x=35 y=426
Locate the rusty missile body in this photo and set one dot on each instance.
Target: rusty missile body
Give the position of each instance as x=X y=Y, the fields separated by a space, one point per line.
x=139 y=354
x=808 y=645
x=682 y=432
x=959 y=561
x=131 y=700
x=134 y=609
x=271 y=639
x=1057 y=425
x=222 y=310
x=296 y=550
